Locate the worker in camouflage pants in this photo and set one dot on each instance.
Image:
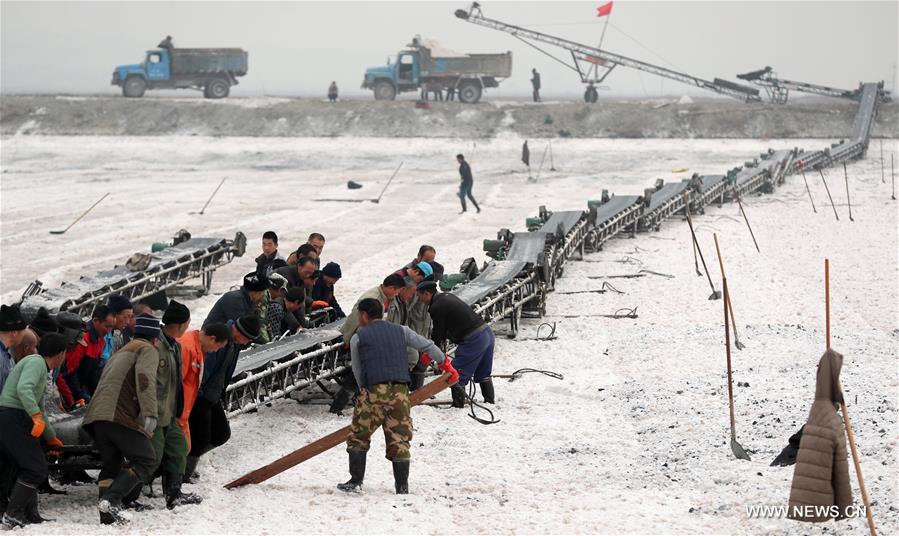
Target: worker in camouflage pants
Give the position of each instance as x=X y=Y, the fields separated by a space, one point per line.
x=381 y=367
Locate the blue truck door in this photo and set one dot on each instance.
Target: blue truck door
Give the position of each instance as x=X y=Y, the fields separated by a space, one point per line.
x=158 y=65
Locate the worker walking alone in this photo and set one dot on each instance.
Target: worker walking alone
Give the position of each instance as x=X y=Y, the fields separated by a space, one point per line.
x=535 y=83
x=381 y=366
x=332 y=92
x=467 y=181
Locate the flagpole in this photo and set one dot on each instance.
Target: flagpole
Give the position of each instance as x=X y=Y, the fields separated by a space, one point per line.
x=595 y=67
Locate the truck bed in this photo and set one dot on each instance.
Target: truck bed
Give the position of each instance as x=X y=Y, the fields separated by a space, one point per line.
x=495 y=65
x=208 y=60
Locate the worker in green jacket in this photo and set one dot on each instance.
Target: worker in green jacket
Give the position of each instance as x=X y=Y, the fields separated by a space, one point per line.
x=22 y=424
x=168 y=439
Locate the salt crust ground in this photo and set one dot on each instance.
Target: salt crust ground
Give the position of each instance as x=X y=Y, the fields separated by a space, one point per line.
x=634 y=439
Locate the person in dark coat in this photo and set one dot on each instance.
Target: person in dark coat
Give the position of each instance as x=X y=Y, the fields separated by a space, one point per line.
x=323 y=289
x=282 y=313
x=467 y=181
x=535 y=84
x=84 y=363
x=12 y=330
x=454 y=320
x=332 y=92
x=427 y=254
x=166 y=43
x=270 y=260
x=237 y=303
x=208 y=421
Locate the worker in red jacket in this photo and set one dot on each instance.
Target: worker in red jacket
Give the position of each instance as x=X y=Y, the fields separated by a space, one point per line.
x=84 y=364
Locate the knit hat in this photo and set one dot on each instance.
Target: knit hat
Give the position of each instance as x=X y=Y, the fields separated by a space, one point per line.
x=252 y=283
x=43 y=323
x=427 y=286
x=295 y=294
x=11 y=318
x=119 y=303
x=249 y=326
x=146 y=325
x=332 y=269
x=277 y=282
x=176 y=313
x=72 y=327
x=425 y=268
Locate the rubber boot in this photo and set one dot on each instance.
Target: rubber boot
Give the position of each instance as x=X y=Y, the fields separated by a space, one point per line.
x=131 y=502
x=190 y=470
x=19 y=499
x=171 y=487
x=401 y=476
x=32 y=514
x=111 y=501
x=48 y=489
x=487 y=390
x=357 y=471
x=341 y=399
x=458 y=393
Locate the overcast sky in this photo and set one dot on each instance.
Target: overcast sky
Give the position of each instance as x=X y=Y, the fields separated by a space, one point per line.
x=297 y=48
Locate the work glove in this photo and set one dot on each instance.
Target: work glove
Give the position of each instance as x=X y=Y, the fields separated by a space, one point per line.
x=425 y=359
x=150 y=425
x=80 y=403
x=319 y=304
x=447 y=366
x=38 y=427
x=55 y=442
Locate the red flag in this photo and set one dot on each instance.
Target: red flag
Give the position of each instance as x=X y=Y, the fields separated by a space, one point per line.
x=604 y=9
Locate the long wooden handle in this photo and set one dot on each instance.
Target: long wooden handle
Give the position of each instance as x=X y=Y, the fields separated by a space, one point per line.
x=730 y=382
x=730 y=305
x=326 y=443
x=827 y=300
x=858 y=467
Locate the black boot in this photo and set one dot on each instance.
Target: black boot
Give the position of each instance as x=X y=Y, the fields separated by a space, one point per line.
x=418 y=380
x=171 y=487
x=357 y=471
x=487 y=390
x=341 y=399
x=19 y=499
x=110 y=505
x=190 y=470
x=48 y=489
x=458 y=393
x=401 y=476
x=32 y=514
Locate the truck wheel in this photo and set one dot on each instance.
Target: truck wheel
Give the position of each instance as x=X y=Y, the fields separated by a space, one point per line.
x=384 y=91
x=135 y=86
x=217 y=89
x=470 y=92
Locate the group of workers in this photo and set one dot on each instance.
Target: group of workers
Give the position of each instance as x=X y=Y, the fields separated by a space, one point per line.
x=152 y=392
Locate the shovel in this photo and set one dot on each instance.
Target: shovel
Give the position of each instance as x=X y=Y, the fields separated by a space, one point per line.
x=735 y=447
x=716 y=295
x=85 y=213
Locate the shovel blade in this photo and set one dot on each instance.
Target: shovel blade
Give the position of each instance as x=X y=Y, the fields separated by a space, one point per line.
x=738 y=344
x=716 y=295
x=698 y=273
x=738 y=450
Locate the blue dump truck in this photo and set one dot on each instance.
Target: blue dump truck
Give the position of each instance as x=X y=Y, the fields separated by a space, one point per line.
x=424 y=66
x=212 y=70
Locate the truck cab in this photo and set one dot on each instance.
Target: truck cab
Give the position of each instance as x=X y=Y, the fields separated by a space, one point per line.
x=402 y=75
x=156 y=67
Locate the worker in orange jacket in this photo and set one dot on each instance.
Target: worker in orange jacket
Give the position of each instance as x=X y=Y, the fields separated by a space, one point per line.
x=195 y=345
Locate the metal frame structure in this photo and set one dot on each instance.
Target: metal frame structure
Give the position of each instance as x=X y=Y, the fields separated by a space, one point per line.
x=598 y=57
x=778 y=89
x=197 y=257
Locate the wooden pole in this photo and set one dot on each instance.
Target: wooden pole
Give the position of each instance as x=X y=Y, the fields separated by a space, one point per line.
x=740 y=203
x=83 y=214
x=211 y=196
x=846 y=421
x=882 y=179
x=802 y=170
x=326 y=443
x=730 y=304
x=848 y=201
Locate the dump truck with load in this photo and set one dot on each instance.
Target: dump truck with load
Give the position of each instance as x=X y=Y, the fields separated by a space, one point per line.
x=212 y=70
x=423 y=65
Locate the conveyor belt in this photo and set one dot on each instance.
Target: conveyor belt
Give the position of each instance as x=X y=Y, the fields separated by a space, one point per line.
x=174 y=265
x=562 y=222
x=497 y=274
x=527 y=247
x=258 y=356
x=664 y=202
x=709 y=188
x=867 y=107
x=601 y=214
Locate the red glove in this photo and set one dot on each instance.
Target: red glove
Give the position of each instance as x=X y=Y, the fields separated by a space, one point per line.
x=55 y=442
x=78 y=403
x=425 y=359
x=447 y=366
x=319 y=304
x=37 y=429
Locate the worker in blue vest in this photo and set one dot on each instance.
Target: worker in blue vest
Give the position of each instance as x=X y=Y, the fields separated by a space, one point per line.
x=381 y=367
